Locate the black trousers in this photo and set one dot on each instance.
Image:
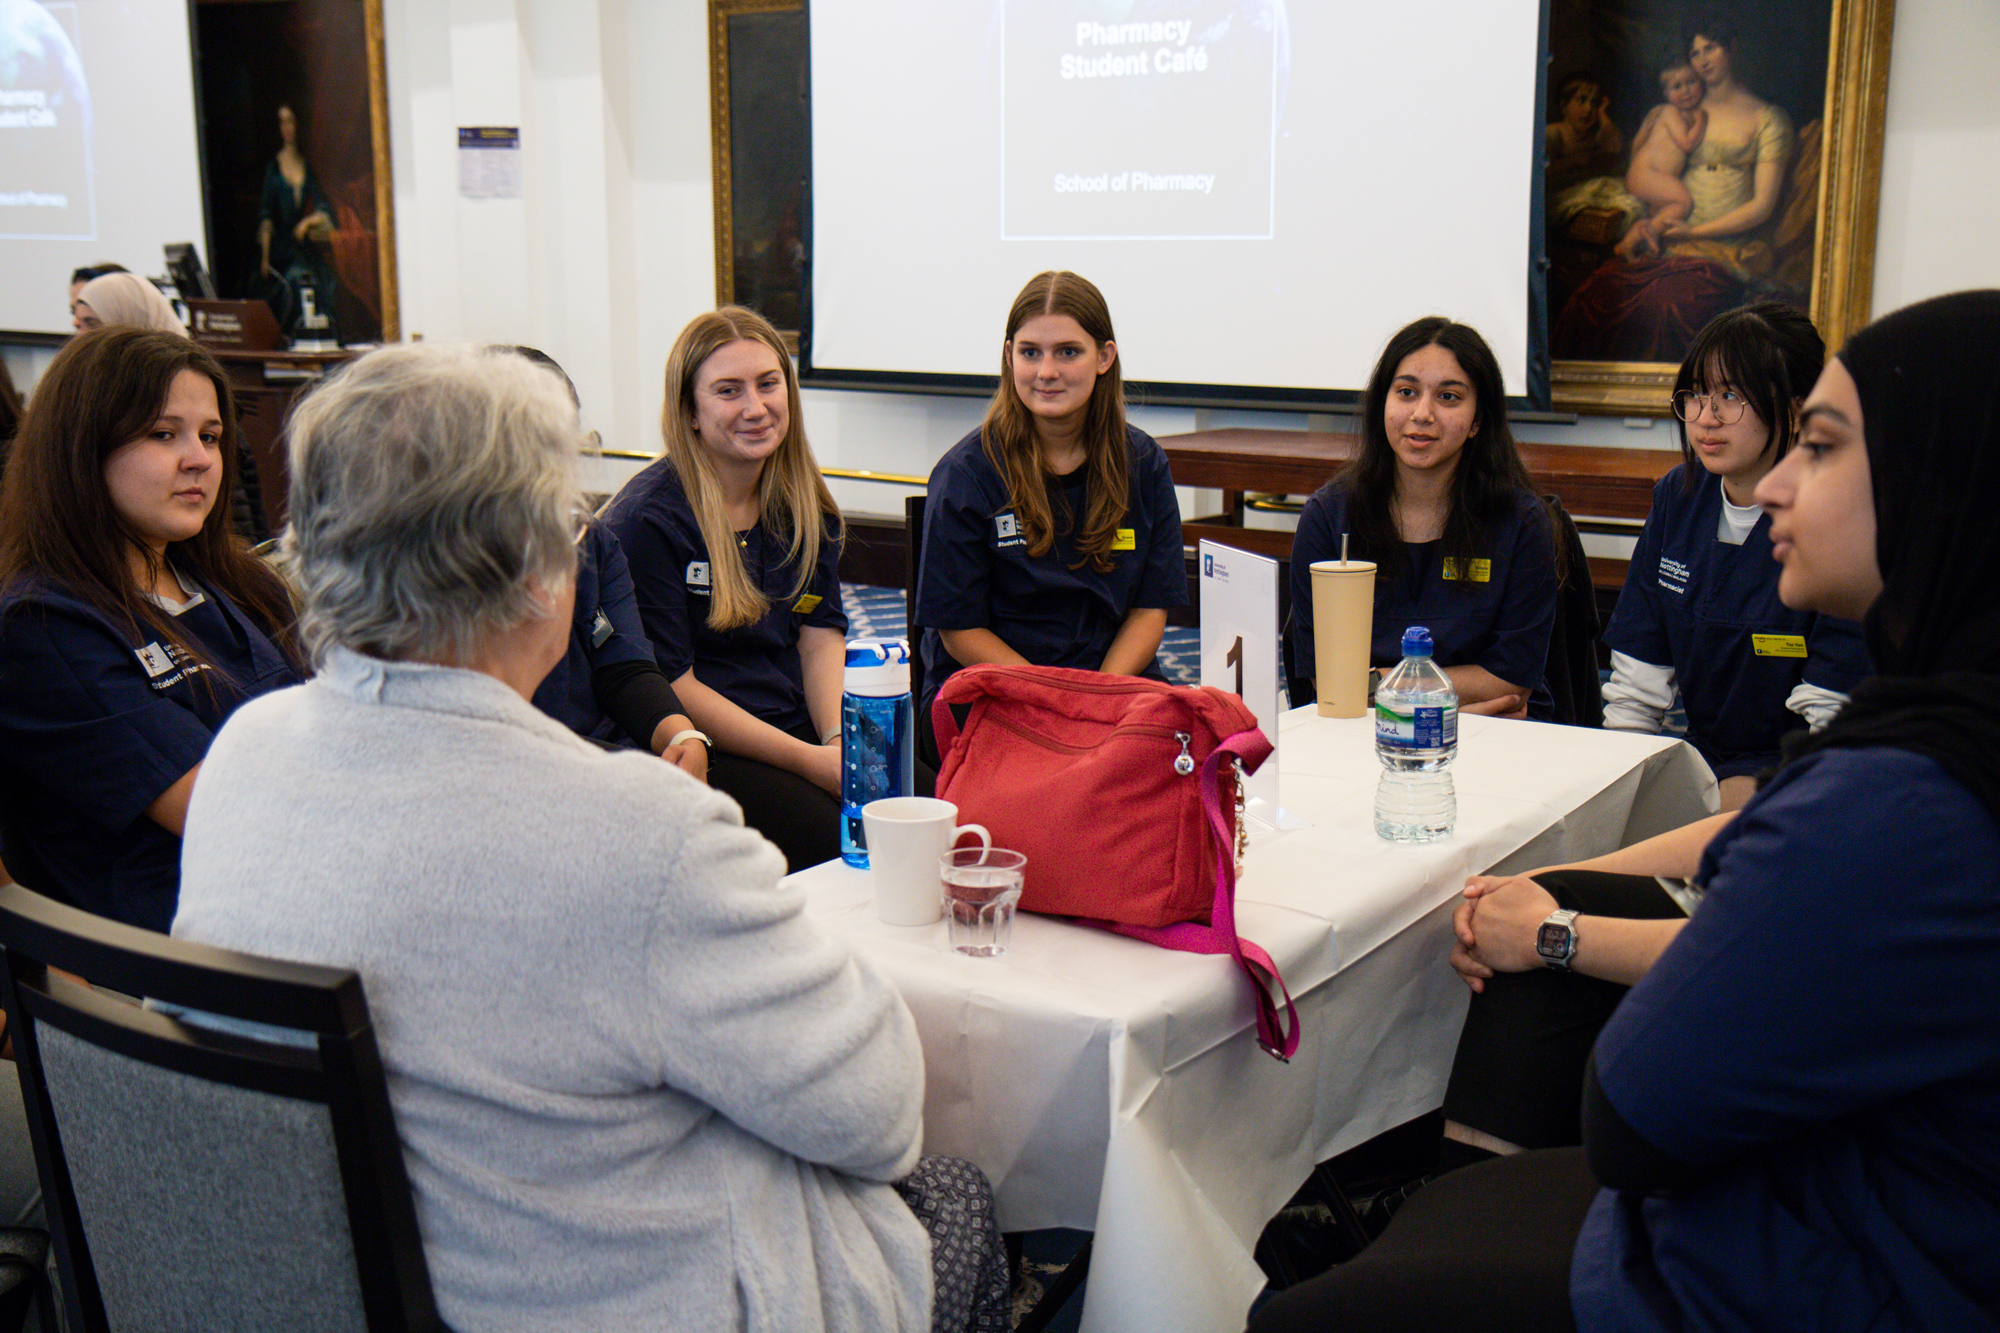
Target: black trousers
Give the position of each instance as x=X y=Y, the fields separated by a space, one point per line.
x=1486 y=1248
x=800 y=817
x=1518 y=1073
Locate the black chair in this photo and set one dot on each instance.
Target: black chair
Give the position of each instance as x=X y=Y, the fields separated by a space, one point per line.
x=240 y=1171
x=1572 y=676
x=913 y=550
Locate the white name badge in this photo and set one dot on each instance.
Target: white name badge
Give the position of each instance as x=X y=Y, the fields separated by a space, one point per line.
x=155 y=659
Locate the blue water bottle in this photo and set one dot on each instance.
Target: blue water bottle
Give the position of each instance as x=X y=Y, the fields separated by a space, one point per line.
x=878 y=741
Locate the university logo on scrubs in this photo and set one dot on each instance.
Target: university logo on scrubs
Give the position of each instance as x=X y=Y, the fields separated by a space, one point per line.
x=1007 y=531
x=697 y=575
x=1673 y=576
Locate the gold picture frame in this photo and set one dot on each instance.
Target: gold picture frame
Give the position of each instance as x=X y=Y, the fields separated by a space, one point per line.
x=325 y=60
x=1843 y=256
x=758 y=209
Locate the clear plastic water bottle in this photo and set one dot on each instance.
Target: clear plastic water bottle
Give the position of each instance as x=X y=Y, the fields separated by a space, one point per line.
x=1416 y=738
x=878 y=737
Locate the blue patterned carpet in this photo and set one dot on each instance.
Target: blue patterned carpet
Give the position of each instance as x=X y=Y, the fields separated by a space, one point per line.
x=877 y=613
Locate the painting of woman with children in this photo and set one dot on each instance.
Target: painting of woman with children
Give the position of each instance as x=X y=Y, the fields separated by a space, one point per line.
x=1683 y=169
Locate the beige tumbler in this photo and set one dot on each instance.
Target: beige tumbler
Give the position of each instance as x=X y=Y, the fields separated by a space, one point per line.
x=1343 y=623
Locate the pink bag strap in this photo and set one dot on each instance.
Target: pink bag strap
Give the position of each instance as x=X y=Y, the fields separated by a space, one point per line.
x=1278 y=1036
x=943 y=723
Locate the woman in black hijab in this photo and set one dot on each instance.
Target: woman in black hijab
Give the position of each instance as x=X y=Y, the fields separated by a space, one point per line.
x=1796 y=1112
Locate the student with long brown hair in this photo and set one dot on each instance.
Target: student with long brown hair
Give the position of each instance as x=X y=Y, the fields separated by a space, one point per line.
x=1792 y=1114
x=1438 y=498
x=132 y=620
x=734 y=545
x=1051 y=533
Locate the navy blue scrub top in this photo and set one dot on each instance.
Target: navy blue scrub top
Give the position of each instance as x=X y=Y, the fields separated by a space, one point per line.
x=756 y=667
x=976 y=573
x=605 y=631
x=1825 y=1034
x=1710 y=611
x=1501 y=622
x=93 y=729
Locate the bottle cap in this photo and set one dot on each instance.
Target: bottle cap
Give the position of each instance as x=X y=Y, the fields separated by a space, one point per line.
x=878 y=668
x=1416 y=642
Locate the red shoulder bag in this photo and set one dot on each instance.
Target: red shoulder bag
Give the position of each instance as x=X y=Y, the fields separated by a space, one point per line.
x=1125 y=794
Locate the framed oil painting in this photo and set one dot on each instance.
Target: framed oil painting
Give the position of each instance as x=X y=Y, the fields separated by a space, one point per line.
x=295 y=138
x=1700 y=158
x=757 y=119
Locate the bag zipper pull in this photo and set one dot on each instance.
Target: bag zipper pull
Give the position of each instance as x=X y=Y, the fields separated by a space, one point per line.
x=1185 y=764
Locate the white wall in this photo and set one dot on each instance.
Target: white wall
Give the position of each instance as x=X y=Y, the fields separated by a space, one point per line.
x=1941 y=155
x=612 y=98
x=611 y=250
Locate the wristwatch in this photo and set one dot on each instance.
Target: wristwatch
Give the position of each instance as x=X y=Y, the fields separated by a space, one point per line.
x=1555 y=940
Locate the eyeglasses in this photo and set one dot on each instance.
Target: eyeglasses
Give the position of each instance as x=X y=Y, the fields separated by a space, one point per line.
x=1728 y=405
x=582 y=519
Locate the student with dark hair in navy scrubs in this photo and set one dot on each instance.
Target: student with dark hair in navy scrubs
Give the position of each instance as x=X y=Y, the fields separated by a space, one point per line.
x=734 y=546
x=608 y=687
x=1439 y=500
x=1793 y=1113
x=1700 y=612
x=1052 y=534
x=132 y=620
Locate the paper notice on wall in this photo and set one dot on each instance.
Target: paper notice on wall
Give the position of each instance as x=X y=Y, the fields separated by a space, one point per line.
x=489 y=161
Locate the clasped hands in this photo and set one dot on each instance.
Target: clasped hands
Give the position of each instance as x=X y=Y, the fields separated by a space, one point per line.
x=1495 y=927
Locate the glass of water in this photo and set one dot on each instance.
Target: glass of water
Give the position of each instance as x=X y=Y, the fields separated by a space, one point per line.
x=981 y=887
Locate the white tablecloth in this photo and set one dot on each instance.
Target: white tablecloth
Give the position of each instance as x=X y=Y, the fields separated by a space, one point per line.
x=1111 y=1086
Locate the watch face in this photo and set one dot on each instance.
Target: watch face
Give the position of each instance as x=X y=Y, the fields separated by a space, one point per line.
x=1552 y=940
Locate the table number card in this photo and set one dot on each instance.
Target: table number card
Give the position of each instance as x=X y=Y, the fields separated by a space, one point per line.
x=1239 y=653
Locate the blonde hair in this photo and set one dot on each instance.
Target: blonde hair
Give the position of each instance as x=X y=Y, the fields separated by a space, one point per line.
x=1014 y=448
x=792 y=498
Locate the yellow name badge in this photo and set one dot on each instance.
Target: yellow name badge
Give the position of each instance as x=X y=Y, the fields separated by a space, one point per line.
x=1779 y=645
x=1482 y=570
x=1126 y=540
x=804 y=606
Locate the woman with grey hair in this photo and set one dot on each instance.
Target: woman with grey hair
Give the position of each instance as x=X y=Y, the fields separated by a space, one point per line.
x=694 y=1113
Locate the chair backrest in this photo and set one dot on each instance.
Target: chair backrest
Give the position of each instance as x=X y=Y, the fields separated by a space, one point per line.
x=235 y=1166
x=1571 y=676
x=913 y=553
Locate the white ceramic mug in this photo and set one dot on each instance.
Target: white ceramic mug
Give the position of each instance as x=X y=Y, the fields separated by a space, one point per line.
x=906 y=836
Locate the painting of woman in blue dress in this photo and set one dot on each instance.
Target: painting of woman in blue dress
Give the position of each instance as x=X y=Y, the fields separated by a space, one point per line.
x=294 y=230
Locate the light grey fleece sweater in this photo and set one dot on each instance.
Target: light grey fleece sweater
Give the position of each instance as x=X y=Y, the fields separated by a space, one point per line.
x=636 y=1088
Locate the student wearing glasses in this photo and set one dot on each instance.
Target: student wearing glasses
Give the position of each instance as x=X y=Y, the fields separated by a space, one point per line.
x=1700 y=612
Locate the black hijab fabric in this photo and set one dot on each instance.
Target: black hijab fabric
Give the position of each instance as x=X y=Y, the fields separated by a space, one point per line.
x=1929 y=382
x=1929 y=377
